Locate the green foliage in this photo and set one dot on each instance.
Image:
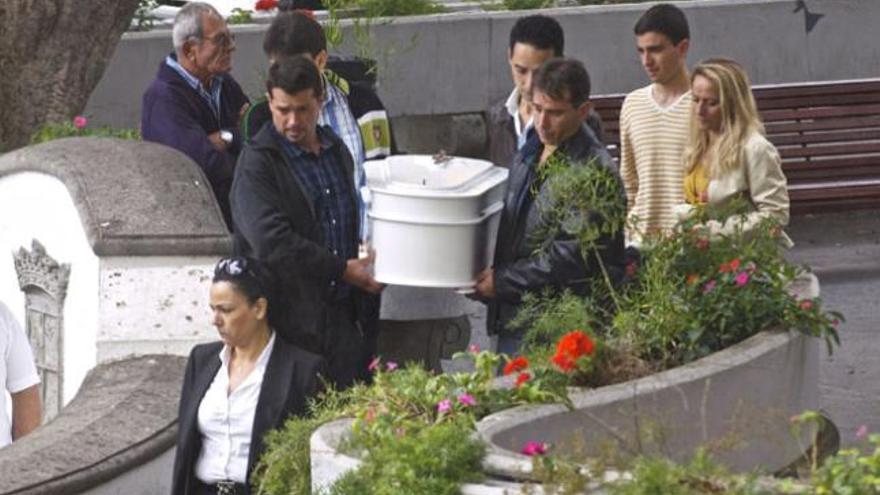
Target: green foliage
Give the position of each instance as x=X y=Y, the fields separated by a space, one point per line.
x=429 y=461
x=412 y=429
x=851 y=471
x=547 y=317
x=240 y=16
x=693 y=296
x=56 y=131
x=285 y=467
x=702 y=476
x=527 y=4
x=386 y=8
x=582 y=201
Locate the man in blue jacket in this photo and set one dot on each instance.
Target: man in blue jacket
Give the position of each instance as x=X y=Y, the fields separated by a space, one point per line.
x=194 y=105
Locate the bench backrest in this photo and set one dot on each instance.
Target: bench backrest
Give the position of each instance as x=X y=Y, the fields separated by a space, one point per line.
x=828 y=135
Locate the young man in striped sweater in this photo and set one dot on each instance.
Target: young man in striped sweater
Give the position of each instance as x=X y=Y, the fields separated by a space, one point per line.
x=654 y=123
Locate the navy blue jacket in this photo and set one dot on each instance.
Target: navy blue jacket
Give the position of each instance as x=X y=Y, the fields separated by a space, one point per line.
x=174 y=114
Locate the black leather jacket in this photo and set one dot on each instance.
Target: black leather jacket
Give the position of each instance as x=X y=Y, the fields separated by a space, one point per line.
x=518 y=268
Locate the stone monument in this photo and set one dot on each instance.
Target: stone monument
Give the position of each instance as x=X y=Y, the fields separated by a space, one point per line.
x=44 y=283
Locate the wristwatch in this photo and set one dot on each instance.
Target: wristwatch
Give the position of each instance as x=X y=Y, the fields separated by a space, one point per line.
x=226 y=136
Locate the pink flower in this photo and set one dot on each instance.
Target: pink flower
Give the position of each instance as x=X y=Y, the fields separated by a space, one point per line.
x=474 y=349
x=467 y=400
x=806 y=305
x=741 y=279
x=709 y=286
x=444 y=406
x=862 y=432
x=374 y=364
x=534 y=448
x=80 y=122
x=391 y=366
x=702 y=244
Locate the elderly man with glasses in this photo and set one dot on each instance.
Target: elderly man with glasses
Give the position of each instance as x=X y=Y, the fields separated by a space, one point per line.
x=194 y=105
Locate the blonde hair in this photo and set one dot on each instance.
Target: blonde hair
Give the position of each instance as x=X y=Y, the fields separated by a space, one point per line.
x=739 y=118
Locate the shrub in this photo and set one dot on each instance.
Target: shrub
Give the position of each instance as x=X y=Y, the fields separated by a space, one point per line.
x=851 y=471
x=78 y=126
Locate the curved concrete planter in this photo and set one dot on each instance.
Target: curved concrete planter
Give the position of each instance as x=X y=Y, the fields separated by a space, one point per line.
x=736 y=402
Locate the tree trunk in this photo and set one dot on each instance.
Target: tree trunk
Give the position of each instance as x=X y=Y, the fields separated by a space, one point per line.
x=52 y=55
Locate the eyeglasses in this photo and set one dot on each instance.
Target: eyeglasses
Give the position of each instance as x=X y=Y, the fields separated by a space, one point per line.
x=222 y=40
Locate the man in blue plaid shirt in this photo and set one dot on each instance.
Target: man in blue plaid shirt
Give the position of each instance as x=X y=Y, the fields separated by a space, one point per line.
x=294 y=206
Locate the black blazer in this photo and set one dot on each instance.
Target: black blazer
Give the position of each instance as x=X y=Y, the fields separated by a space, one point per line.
x=291 y=378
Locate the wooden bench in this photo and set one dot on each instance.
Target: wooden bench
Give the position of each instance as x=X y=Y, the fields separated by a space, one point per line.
x=827 y=133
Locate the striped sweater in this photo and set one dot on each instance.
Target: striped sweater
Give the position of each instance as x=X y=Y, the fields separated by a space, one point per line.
x=652 y=141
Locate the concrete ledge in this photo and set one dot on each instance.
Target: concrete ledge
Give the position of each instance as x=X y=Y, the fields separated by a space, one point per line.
x=456 y=63
x=737 y=402
x=133 y=198
x=124 y=416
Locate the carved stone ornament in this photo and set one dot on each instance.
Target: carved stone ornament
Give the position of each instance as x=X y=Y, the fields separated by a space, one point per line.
x=44 y=283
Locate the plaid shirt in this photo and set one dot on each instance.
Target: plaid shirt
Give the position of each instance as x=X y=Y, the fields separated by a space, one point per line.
x=336 y=114
x=328 y=190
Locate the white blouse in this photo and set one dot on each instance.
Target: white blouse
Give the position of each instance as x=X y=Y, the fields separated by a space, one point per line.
x=227 y=419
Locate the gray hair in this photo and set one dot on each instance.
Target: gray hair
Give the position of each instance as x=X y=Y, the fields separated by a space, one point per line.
x=188 y=22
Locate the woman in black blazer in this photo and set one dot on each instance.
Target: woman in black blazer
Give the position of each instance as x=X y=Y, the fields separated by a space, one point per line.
x=235 y=390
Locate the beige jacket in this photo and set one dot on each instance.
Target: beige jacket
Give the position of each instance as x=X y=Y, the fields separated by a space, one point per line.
x=761 y=180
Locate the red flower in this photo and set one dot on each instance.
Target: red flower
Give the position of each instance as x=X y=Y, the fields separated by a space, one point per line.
x=729 y=267
x=571 y=347
x=692 y=279
x=518 y=364
x=806 y=305
x=702 y=244
x=266 y=4
x=522 y=378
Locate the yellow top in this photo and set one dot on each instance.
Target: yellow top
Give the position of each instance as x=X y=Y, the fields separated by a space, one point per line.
x=696 y=186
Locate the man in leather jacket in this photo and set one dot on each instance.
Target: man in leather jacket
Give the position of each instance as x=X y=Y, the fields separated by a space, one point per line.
x=560 y=98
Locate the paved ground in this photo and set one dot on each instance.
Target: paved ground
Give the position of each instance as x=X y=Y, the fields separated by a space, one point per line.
x=844 y=251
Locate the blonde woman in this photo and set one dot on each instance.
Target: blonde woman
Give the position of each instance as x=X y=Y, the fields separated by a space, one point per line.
x=727 y=155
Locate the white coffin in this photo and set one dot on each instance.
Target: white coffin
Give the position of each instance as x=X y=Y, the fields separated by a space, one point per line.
x=433 y=223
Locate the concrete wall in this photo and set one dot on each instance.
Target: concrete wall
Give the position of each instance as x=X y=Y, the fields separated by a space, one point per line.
x=456 y=63
x=150 y=478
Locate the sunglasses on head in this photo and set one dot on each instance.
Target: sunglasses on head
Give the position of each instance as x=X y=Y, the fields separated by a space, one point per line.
x=233 y=266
